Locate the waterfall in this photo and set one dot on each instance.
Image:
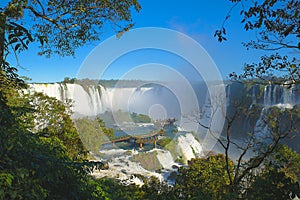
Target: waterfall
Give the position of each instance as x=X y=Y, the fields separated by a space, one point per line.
x=90 y=100
x=289 y=95
x=156 y=100
x=281 y=96
x=189 y=146
x=99 y=99
x=267 y=95
x=87 y=100
x=253 y=95
x=261 y=129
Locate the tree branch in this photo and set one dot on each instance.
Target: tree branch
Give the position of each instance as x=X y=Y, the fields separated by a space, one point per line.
x=37 y=14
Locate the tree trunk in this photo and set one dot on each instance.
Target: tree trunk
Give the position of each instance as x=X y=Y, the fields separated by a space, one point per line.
x=2 y=38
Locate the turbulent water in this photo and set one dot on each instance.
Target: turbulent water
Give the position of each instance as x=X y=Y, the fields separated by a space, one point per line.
x=161 y=103
x=189 y=146
x=124 y=169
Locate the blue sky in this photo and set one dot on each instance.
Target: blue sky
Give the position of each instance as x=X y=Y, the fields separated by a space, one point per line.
x=196 y=18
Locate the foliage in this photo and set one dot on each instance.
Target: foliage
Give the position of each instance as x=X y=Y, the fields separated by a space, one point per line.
x=93 y=132
x=123 y=116
x=140 y=118
x=273 y=184
x=37 y=166
x=107 y=131
x=207 y=178
x=112 y=83
x=69 y=80
x=272 y=69
x=152 y=189
x=275 y=125
x=164 y=142
x=278 y=178
x=286 y=160
x=176 y=153
x=50 y=22
x=115 y=190
x=155 y=189
x=204 y=178
x=277 y=23
x=52 y=119
x=41 y=154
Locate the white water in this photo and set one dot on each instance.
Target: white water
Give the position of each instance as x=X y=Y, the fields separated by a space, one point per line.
x=95 y=99
x=261 y=130
x=85 y=102
x=122 y=168
x=280 y=96
x=189 y=146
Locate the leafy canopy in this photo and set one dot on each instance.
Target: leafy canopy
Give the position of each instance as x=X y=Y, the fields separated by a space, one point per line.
x=277 y=27
x=60 y=26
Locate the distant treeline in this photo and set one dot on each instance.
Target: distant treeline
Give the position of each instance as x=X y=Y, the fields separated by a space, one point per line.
x=123 y=116
x=108 y=83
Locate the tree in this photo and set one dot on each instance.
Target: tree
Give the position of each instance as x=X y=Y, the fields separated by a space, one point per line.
x=52 y=118
x=60 y=26
x=286 y=160
x=93 y=133
x=278 y=28
x=272 y=184
x=40 y=159
x=156 y=189
x=271 y=69
x=69 y=80
x=38 y=166
x=277 y=25
x=245 y=144
x=278 y=179
x=204 y=178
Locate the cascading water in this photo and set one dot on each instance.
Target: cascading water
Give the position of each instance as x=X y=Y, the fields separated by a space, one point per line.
x=90 y=100
x=281 y=96
x=267 y=95
x=253 y=95
x=261 y=130
x=98 y=99
x=258 y=100
x=189 y=146
x=95 y=99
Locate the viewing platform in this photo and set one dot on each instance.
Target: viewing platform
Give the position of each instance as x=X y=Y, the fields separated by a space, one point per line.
x=140 y=139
